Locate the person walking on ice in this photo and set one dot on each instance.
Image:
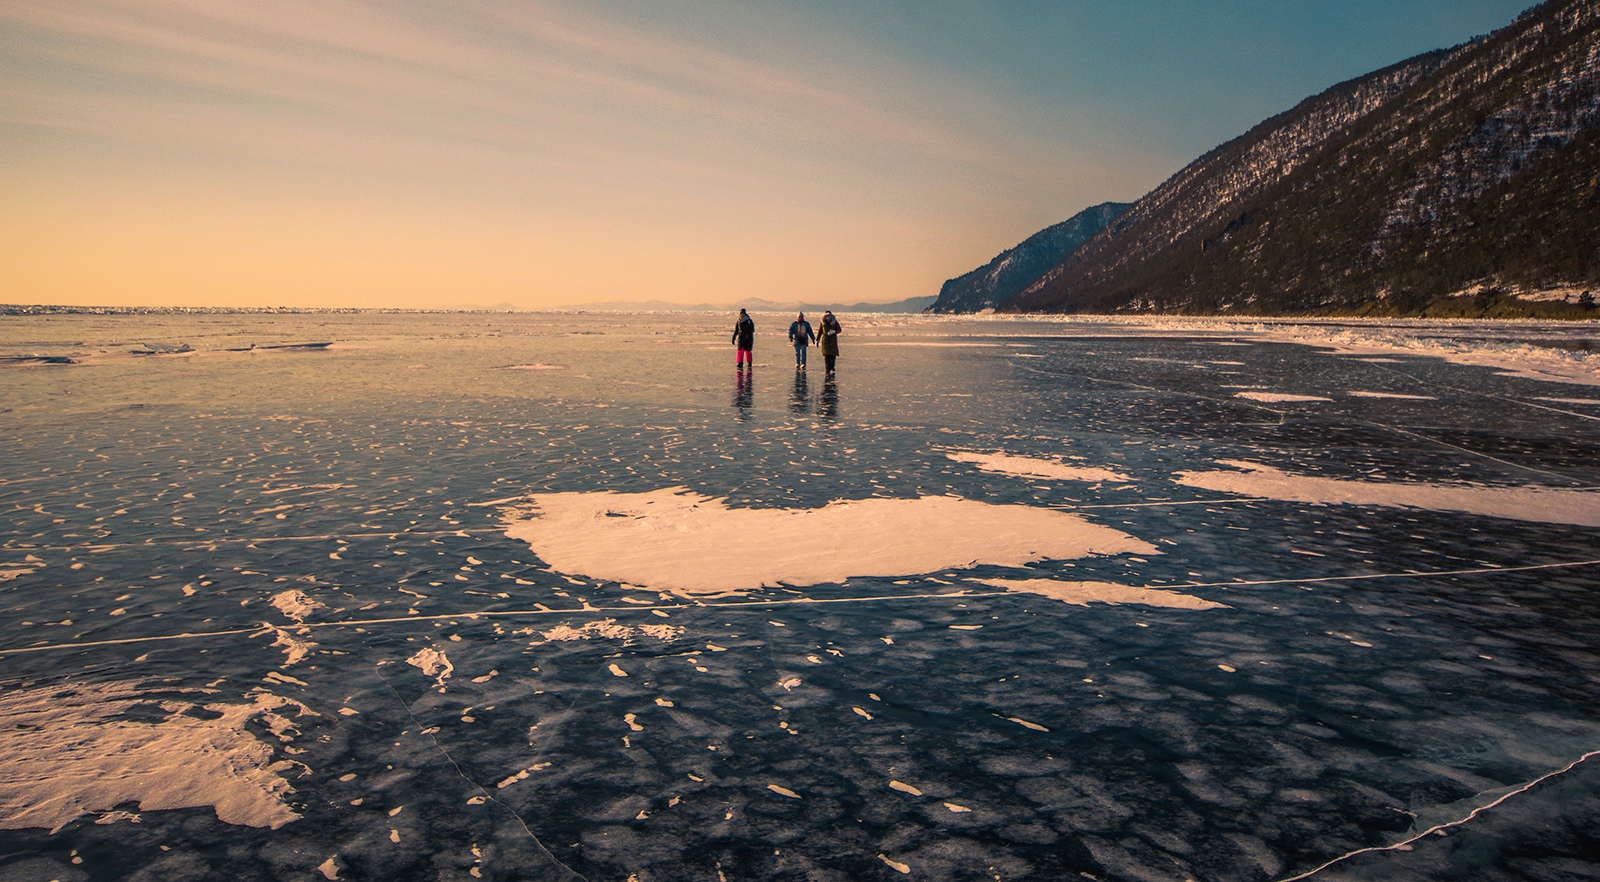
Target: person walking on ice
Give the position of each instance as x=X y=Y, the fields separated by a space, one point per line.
x=800 y=335
x=829 y=340
x=744 y=336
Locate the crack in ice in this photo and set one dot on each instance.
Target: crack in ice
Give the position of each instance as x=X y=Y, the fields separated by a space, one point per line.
x=1405 y=843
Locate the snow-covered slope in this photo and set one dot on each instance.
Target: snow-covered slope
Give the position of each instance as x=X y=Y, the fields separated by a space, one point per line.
x=1466 y=172
x=992 y=284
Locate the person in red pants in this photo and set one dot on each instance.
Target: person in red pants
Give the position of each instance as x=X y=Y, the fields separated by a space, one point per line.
x=744 y=336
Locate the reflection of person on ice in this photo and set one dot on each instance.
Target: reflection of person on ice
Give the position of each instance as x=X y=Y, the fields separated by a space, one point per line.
x=744 y=336
x=830 y=340
x=800 y=334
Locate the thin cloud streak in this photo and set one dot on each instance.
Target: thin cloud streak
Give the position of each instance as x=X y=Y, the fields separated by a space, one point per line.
x=553 y=84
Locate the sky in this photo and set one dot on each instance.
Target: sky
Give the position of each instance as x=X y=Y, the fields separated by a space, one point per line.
x=433 y=154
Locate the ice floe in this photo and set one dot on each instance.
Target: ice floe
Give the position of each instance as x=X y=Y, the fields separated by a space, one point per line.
x=691 y=544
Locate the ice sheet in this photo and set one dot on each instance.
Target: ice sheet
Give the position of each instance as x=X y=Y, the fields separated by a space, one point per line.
x=1036 y=598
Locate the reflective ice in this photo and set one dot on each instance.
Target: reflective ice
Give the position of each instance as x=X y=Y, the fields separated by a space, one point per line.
x=1341 y=592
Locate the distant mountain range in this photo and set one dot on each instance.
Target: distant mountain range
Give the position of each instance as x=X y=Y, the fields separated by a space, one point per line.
x=753 y=304
x=1464 y=181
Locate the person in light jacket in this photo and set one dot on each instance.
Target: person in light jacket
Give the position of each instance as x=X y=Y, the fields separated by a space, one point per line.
x=800 y=334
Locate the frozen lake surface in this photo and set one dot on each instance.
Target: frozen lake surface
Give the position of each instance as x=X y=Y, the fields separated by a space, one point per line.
x=568 y=597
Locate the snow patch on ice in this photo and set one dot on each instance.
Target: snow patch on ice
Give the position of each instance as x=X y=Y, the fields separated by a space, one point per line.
x=1546 y=505
x=294 y=649
x=1383 y=337
x=1278 y=396
x=897 y=866
x=1030 y=467
x=70 y=751
x=433 y=663
x=609 y=629
x=296 y=605
x=691 y=544
x=1519 y=359
x=1085 y=593
x=1394 y=395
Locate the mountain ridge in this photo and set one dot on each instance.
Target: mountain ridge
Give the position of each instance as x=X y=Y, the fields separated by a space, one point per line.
x=1013 y=269
x=1459 y=181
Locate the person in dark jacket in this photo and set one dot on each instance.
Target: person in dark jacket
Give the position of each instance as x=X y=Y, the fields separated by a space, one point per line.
x=800 y=335
x=829 y=340
x=744 y=336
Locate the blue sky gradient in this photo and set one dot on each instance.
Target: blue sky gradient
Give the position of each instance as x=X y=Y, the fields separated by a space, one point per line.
x=543 y=152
